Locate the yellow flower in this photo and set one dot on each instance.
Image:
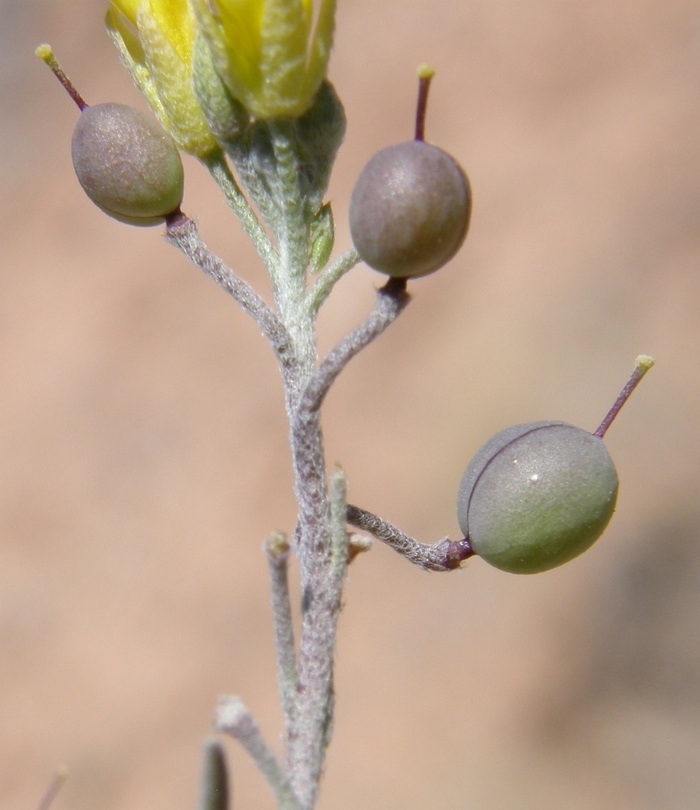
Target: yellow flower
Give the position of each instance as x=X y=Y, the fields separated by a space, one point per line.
x=271 y=54
x=156 y=41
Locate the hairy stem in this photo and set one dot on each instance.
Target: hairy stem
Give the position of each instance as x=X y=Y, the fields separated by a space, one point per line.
x=320 y=605
x=321 y=533
x=328 y=278
x=233 y=718
x=221 y=172
x=183 y=234
x=294 y=238
x=277 y=549
x=321 y=540
x=391 y=300
x=445 y=555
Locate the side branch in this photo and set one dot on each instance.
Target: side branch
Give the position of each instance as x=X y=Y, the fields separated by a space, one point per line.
x=391 y=300
x=237 y=202
x=329 y=277
x=306 y=430
x=277 y=550
x=183 y=234
x=233 y=718
x=445 y=555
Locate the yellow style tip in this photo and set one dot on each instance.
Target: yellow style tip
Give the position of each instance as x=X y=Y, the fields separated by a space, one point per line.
x=45 y=53
x=643 y=363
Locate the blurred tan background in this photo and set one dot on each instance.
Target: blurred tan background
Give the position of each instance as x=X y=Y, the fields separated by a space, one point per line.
x=143 y=448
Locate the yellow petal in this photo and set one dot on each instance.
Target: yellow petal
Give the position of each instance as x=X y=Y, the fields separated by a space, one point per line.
x=177 y=23
x=321 y=45
x=271 y=54
x=128 y=8
x=171 y=76
x=285 y=33
x=241 y=22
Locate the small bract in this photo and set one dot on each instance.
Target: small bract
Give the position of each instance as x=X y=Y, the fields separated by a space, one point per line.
x=537 y=495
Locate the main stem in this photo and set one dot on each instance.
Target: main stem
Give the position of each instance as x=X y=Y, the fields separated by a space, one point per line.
x=309 y=735
x=308 y=728
x=320 y=536
x=323 y=551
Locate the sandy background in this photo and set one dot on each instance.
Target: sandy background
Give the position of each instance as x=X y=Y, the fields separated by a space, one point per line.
x=143 y=449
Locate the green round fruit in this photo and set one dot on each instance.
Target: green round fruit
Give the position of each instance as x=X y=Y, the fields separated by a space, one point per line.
x=127 y=164
x=410 y=209
x=537 y=495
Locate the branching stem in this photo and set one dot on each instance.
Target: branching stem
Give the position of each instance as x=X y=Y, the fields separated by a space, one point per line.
x=233 y=718
x=183 y=234
x=221 y=172
x=305 y=676
x=392 y=298
x=329 y=277
x=445 y=555
x=322 y=564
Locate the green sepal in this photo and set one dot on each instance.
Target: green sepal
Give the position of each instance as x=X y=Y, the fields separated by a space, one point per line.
x=317 y=135
x=322 y=238
x=320 y=132
x=254 y=159
x=226 y=118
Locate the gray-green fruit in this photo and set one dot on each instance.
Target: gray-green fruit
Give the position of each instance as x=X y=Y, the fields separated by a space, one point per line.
x=410 y=209
x=127 y=164
x=537 y=495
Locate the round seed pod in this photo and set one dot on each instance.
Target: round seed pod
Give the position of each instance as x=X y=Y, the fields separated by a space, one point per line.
x=410 y=209
x=537 y=495
x=127 y=164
